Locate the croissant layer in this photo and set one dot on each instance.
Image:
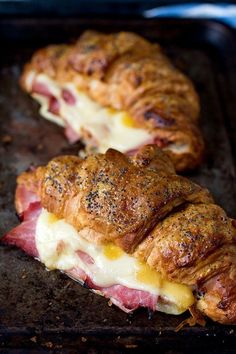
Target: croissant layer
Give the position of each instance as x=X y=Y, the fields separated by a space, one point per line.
x=163 y=219
x=125 y=72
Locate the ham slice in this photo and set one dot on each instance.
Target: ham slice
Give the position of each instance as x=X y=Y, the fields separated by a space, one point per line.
x=24 y=197
x=68 y=97
x=54 y=106
x=125 y=298
x=85 y=257
x=129 y=300
x=71 y=134
x=23 y=236
x=41 y=89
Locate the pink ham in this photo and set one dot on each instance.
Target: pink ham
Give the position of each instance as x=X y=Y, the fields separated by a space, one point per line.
x=24 y=197
x=68 y=97
x=54 y=106
x=125 y=298
x=23 y=235
x=71 y=134
x=41 y=89
x=77 y=274
x=29 y=207
x=128 y=299
x=85 y=257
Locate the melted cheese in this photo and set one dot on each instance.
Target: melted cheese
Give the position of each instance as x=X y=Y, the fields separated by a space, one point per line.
x=58 y=244
x=147 y=275
x=109 y=128
x=112 y=252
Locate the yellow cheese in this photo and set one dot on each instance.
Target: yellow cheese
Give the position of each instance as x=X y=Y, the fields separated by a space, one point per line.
x=112 y=252
x=108 y=127
x=181 y=294
x=58 y=244
x=52 y=218
x=128 y=121
x=148 y=276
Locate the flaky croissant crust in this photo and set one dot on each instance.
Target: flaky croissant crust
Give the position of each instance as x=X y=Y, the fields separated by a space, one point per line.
x=126 y=72
x=161 y=218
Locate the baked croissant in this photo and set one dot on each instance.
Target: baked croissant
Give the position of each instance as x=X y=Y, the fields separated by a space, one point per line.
x=132 y=230
x=117 y=91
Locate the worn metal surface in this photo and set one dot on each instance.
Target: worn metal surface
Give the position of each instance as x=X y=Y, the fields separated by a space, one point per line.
x=46 y=309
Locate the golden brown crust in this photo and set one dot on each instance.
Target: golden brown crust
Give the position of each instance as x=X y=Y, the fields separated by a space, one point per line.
x=163 y=219
x=111 y=193
x=217 y=296
x=196 y=246
x=150 y=157
x=187 y=241
x=126 y=72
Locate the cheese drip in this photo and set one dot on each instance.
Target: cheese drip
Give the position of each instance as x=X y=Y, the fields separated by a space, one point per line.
x=108 y=128
x=58 y=244
x=101 y=127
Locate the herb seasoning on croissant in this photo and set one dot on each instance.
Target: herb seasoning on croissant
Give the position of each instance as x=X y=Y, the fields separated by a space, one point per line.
x=117 y=91
x=131 y=230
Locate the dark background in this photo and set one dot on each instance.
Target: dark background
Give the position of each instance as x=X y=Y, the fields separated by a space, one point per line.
x=86 y=7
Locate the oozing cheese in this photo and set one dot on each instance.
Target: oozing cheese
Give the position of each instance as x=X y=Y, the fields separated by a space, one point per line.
x=108 y=128
x=58 y=242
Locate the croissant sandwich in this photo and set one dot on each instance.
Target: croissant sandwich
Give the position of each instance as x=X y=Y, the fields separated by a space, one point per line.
x=117 y=91
x=131 y=230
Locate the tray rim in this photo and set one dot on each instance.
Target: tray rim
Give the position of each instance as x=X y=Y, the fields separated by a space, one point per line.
x=217 y=25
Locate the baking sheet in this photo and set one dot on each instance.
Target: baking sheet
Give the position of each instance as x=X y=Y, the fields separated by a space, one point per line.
x=46 y=309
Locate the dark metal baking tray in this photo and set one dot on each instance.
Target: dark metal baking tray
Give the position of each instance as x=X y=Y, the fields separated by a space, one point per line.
x=40 y=309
